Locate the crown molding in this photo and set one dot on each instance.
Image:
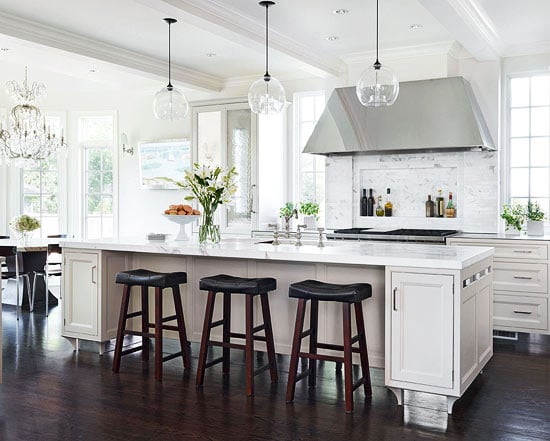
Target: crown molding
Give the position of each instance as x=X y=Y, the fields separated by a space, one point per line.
x=469 y=24
x=35 y=32
x=442 y=48
x=541 y=47
x=219 y=18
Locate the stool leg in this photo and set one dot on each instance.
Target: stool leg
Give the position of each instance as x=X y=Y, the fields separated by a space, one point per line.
x=313 y=325
x=145 y=322
x=158 y=333
x=249 y=345
x=181 y=327
x=269 y=337
x=348 y=378
x=296 y=344
x=121 y=327
x=205 y=338
x=226 y=331
x=363 y=349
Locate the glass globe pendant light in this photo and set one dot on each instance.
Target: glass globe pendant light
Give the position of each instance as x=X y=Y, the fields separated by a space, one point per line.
x=378 y=85
x=267 y=95
x=169 y=102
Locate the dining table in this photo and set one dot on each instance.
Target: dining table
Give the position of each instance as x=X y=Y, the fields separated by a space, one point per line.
x=34 y=253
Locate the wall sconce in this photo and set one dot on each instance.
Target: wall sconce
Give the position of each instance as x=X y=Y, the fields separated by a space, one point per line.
x=126 y=150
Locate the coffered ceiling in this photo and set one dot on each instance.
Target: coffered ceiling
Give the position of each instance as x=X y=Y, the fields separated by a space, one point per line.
x=219 y=41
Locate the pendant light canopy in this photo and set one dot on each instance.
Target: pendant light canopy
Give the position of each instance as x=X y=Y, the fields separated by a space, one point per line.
x=169 y=102
x=266 y=95
x=378 y=85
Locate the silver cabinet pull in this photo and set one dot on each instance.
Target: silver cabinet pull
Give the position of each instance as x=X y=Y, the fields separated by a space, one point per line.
x=251 y=200
x=395 y=299
x=523 y=312
x=523 y=277
x=93 y=268
x=523 y=251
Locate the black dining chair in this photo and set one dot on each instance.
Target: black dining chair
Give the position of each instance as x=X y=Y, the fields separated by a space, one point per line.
x=13 y=269
x=52 y=267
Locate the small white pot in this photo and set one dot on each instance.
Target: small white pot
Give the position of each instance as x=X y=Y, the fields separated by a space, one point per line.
x=310 y=221
x=535 y=228
x=511 y=231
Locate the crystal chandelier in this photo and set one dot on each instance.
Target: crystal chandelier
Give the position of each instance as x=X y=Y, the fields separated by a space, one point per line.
x=378 y=85
x=27 y=136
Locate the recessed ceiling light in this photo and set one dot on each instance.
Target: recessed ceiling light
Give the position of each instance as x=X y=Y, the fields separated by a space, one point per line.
x=416 y=26
x=341 y=11
x=4 y=49
x=92 y=69
x=332 y=38
x=211 y=54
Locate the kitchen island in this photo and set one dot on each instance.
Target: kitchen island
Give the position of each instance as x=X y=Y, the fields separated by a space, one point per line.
x=429 y=321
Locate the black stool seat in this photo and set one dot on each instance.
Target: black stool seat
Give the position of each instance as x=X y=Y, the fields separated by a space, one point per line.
x=143 y=277
x=237 y=285
x=316 y=290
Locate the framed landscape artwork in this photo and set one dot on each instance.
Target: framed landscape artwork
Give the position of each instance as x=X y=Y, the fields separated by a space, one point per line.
x=163 y=159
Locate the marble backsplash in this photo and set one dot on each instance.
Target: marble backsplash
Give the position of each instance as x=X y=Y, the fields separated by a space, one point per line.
x=472 y=177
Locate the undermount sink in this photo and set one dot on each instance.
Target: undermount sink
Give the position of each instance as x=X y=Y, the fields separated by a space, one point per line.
x=292 y=241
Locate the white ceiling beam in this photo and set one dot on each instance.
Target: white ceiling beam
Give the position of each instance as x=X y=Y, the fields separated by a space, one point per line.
x=220 y=19
x=469 y=24
x=35 y=32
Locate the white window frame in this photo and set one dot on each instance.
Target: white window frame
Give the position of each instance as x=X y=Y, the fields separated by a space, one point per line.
x=506 y=196
x=79 y=197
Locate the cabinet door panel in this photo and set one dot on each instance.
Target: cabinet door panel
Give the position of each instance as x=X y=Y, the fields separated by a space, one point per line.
x=422 y=329
x=80 y=282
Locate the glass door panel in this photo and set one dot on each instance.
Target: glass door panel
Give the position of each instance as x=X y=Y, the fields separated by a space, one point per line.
x=209 y=138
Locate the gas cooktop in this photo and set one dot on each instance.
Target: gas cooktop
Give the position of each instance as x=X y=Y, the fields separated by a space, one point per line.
x=400 y=234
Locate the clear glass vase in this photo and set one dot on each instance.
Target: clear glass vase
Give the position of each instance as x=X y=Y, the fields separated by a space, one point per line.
x=208 y=231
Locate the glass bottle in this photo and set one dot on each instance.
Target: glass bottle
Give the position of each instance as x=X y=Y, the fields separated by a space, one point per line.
x=430 y=207
x=379 y=209
x=450 y=211
x=363 y=206
x=388 y=207
x=370 y=203
x=439 y=204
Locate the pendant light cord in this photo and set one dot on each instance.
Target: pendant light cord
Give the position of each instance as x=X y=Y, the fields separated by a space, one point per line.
x=377 y=64
x=170 y=56
x=267 y=77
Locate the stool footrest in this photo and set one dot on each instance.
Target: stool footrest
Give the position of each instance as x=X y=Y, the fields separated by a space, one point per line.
x=213 y=362
x=133 y=314
x=265 y=367
x=169 y=318
x=216 y=324
x=170 y=327
x=131 y=350
x=226 y=345
x=171 y=356
x=258 y=328
x=304 y=334
x=320 y=357
x=336 y=347
x=301 y=375
x=139 y=333
x=359 y=383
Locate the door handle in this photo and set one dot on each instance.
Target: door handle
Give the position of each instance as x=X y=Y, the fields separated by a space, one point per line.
x=523 y=312
x=523 y=277
x=93 y=268
x=395 y=299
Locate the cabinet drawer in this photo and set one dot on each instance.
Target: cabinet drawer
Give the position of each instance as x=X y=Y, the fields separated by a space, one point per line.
x=523 y=277
x=509 y=250
x=520 y=312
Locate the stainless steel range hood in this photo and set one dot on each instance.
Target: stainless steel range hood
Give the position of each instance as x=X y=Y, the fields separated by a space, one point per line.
x=429 y=115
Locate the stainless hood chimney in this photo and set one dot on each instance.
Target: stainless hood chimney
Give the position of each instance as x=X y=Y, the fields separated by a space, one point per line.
x=430 y=115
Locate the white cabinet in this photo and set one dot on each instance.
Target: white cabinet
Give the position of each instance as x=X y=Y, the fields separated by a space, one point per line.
x=438 y=328
x=422 y=328
x=522 y=298
x=91 y=299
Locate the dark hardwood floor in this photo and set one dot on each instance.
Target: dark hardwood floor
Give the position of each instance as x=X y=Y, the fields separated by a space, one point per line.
x=50 y=392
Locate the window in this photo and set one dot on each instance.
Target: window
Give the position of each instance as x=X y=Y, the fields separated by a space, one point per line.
x=310 y=169
x=41 y=188
x=529 y=135
x=96 y=141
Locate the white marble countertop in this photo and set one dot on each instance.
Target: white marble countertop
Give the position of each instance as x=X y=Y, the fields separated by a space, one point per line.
x=339 y=252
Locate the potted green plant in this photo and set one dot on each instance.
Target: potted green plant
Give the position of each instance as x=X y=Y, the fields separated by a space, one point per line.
x=514 y=217
x=535 y=219
x=287 y=212
x=310 y=214
x=24 y=225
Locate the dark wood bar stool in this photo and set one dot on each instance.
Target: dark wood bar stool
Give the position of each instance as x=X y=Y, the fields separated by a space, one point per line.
x=159 y=281
x=347 y=295
x=249 y=287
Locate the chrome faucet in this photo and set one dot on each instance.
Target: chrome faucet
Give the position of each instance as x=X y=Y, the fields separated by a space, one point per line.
x=299 y=235
x=320 y=244
x=276 y=233
x=287 y=217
